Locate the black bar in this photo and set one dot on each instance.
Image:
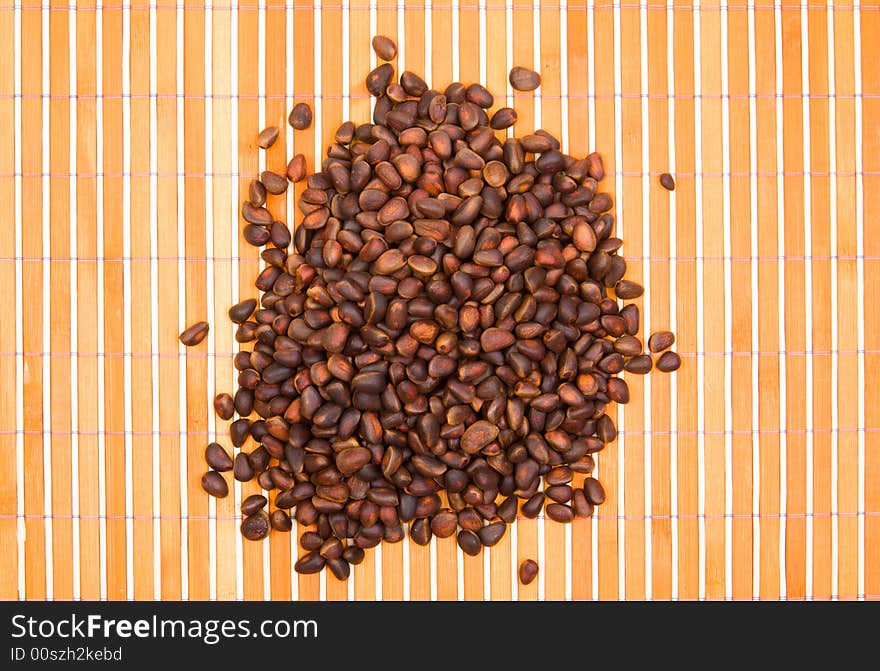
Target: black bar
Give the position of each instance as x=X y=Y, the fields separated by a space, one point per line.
x=447 y=635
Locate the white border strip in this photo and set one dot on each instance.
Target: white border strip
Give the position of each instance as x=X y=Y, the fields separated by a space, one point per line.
x=46 y=316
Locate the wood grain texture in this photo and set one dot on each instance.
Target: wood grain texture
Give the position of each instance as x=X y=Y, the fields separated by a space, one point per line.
x=578 y=64
x=607 y=466
x=524 y=104
x=821 y=222
x=870 y=188
x=225 y=225
x=630 y=215
x=248 y=266
x=9 y=381
x=87 y=305
x=796 y=360
x=59 y=308
x=276 y=157
x=847 y=303
x=32 y=313
x=656 y=313
x=742 y=291
x=141 y=236
x=360 y=54
x=687 y=503
x=169 y=326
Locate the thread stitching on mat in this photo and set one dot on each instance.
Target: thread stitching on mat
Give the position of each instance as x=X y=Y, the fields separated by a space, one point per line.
x=622 y=432
x=401 y=6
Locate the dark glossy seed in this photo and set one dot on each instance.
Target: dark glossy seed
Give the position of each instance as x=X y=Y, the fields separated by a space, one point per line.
x=528 y=571
x=560 y=475
x=503 y=118
x=353 y=554
x=267 y=137
x=583 y=236
x=384 y=47
x=240 y=312
x=469 y=542
x=242 y=469
x=255 y=235
x=523 y=79
x=494 y=339
x=444 y=523
x=255 y=527
x=339 y=567
x=311 y=540
x=667 y=181
x=594 y=491
x=559 y=493
x=351 y=460
x=630 y=316
x=618 y=390
x=256 y=193
x=193 y=335
x=508 y=509
x=239 y=431
x=420 y=531
x=273 y=182
x=412 y=83
x=492 y=533
x=661 y=340
x=640 y=365
x=259 y=216
x=280 y=521
x=296 y=169
x=595 y=168
x=478 y=435
x=215 y=484
x=626 y=290
x=223 y=406
x=218 y=458
x=580 y=505
x=668 y=362
x=559 y=512
x=479 y=95
x=253 y=504
x=532 y=507
x=300 y=116
x=311 y=562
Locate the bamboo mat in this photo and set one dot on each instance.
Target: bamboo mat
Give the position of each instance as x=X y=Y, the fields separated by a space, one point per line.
x=127 y=139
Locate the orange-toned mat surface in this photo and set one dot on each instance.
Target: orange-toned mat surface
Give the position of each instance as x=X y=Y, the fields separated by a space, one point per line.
x=127 y=139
